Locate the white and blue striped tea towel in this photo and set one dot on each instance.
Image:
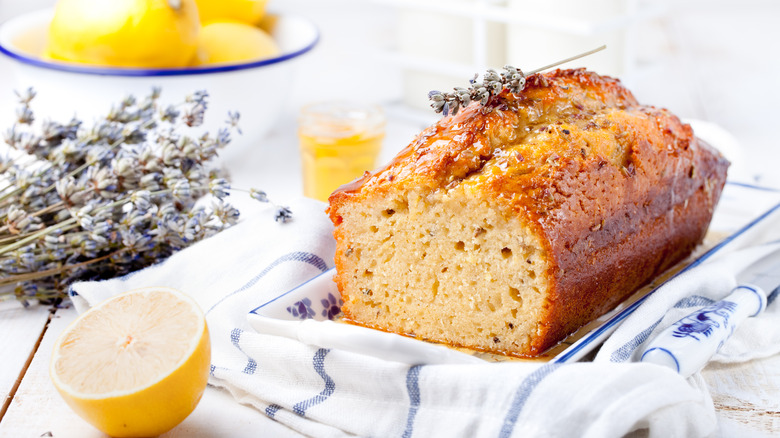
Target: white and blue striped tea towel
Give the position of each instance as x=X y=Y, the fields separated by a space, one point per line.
x=322 y=393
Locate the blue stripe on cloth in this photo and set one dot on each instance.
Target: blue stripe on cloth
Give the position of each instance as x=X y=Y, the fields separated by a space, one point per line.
x=413 y=387
x=623 y=353
x=272 y=409
x=330 y=385
x=772 y=295
x=235 y=338
x=693 y=301
x=298 y=256
x=521 y=396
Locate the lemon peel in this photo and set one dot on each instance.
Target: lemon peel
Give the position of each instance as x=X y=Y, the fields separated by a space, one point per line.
x=231 y=42
x=124 y=33
x=245 y=11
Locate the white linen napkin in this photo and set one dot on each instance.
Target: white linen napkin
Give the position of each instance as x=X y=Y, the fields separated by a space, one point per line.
x=755 y=338
x=320 y=392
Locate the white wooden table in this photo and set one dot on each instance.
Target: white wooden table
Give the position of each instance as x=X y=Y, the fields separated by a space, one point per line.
x=719 y=68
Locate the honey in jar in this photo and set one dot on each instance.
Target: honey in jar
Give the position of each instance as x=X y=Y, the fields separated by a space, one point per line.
x=339 y=141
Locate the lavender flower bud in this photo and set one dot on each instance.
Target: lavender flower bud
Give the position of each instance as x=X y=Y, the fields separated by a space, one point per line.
x=133 y=134
x=89 y=247
x=136 y=219
x=11 y=136
x=171 y=175
x=193 y=228
x=27 y=289
x=29 y=143
x=128 y=101
x=491 y=76
x=283 y=214
x=193 y=116
x=131 y=238
x=57 y=254
x=142 y=200
x=226 y=213
x=219 y=187
x=24 y=115
x=70 y=130
x=86 y=222
x=155 y=93
x=26 y=96
x=166 y=209
x=31 y=192
x=15 y=214
x=125 y=167
x=170 y=114
x=50 y=130
x=151 y=182
x=28 y=260
x=197 y=97
x=84 y=217
x=233 y=118
x=223 y=138
x=258 y=195
x=171 y=156
x=9 y=265
x=97 y=154
x=181 y=190
x=53 y=242
x=104 y=180
x=99 y=240
x=29 y=223
x=101 y=231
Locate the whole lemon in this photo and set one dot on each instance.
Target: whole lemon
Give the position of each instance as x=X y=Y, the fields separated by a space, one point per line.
x=124 y=33
x=245 y=11
x=230 y=42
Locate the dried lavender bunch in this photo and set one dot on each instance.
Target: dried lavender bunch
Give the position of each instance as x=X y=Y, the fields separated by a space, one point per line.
x=512 y=79
x=95 y=202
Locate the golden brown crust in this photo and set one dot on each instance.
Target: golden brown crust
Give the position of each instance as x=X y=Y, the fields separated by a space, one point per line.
x=619 y=191
x=460 y=145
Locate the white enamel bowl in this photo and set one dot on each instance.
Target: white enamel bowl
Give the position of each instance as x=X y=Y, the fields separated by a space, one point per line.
x=257 y=90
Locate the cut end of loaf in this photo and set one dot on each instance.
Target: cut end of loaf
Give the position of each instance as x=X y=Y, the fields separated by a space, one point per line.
x=447 y=268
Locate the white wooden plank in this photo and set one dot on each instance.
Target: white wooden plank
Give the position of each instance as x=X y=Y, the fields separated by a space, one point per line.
x=746 y=397
x=20 y=330
x=37 y=407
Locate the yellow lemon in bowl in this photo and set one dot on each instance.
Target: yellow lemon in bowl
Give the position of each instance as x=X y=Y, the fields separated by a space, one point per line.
x=231 y=42
x=136 y=364
x=245 y=11
x=124 y=33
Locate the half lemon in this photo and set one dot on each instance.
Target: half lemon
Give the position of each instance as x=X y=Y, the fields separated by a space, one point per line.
x=136 y=364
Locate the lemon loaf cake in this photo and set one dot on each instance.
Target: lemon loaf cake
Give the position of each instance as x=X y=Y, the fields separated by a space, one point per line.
x=505 y=228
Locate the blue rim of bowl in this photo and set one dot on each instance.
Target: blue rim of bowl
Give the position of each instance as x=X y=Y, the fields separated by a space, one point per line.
x=157 y=72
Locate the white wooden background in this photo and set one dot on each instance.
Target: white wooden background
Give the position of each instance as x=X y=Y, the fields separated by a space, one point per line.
x=715 y=61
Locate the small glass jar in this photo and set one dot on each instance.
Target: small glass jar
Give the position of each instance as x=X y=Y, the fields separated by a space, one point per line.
x=339 y=141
